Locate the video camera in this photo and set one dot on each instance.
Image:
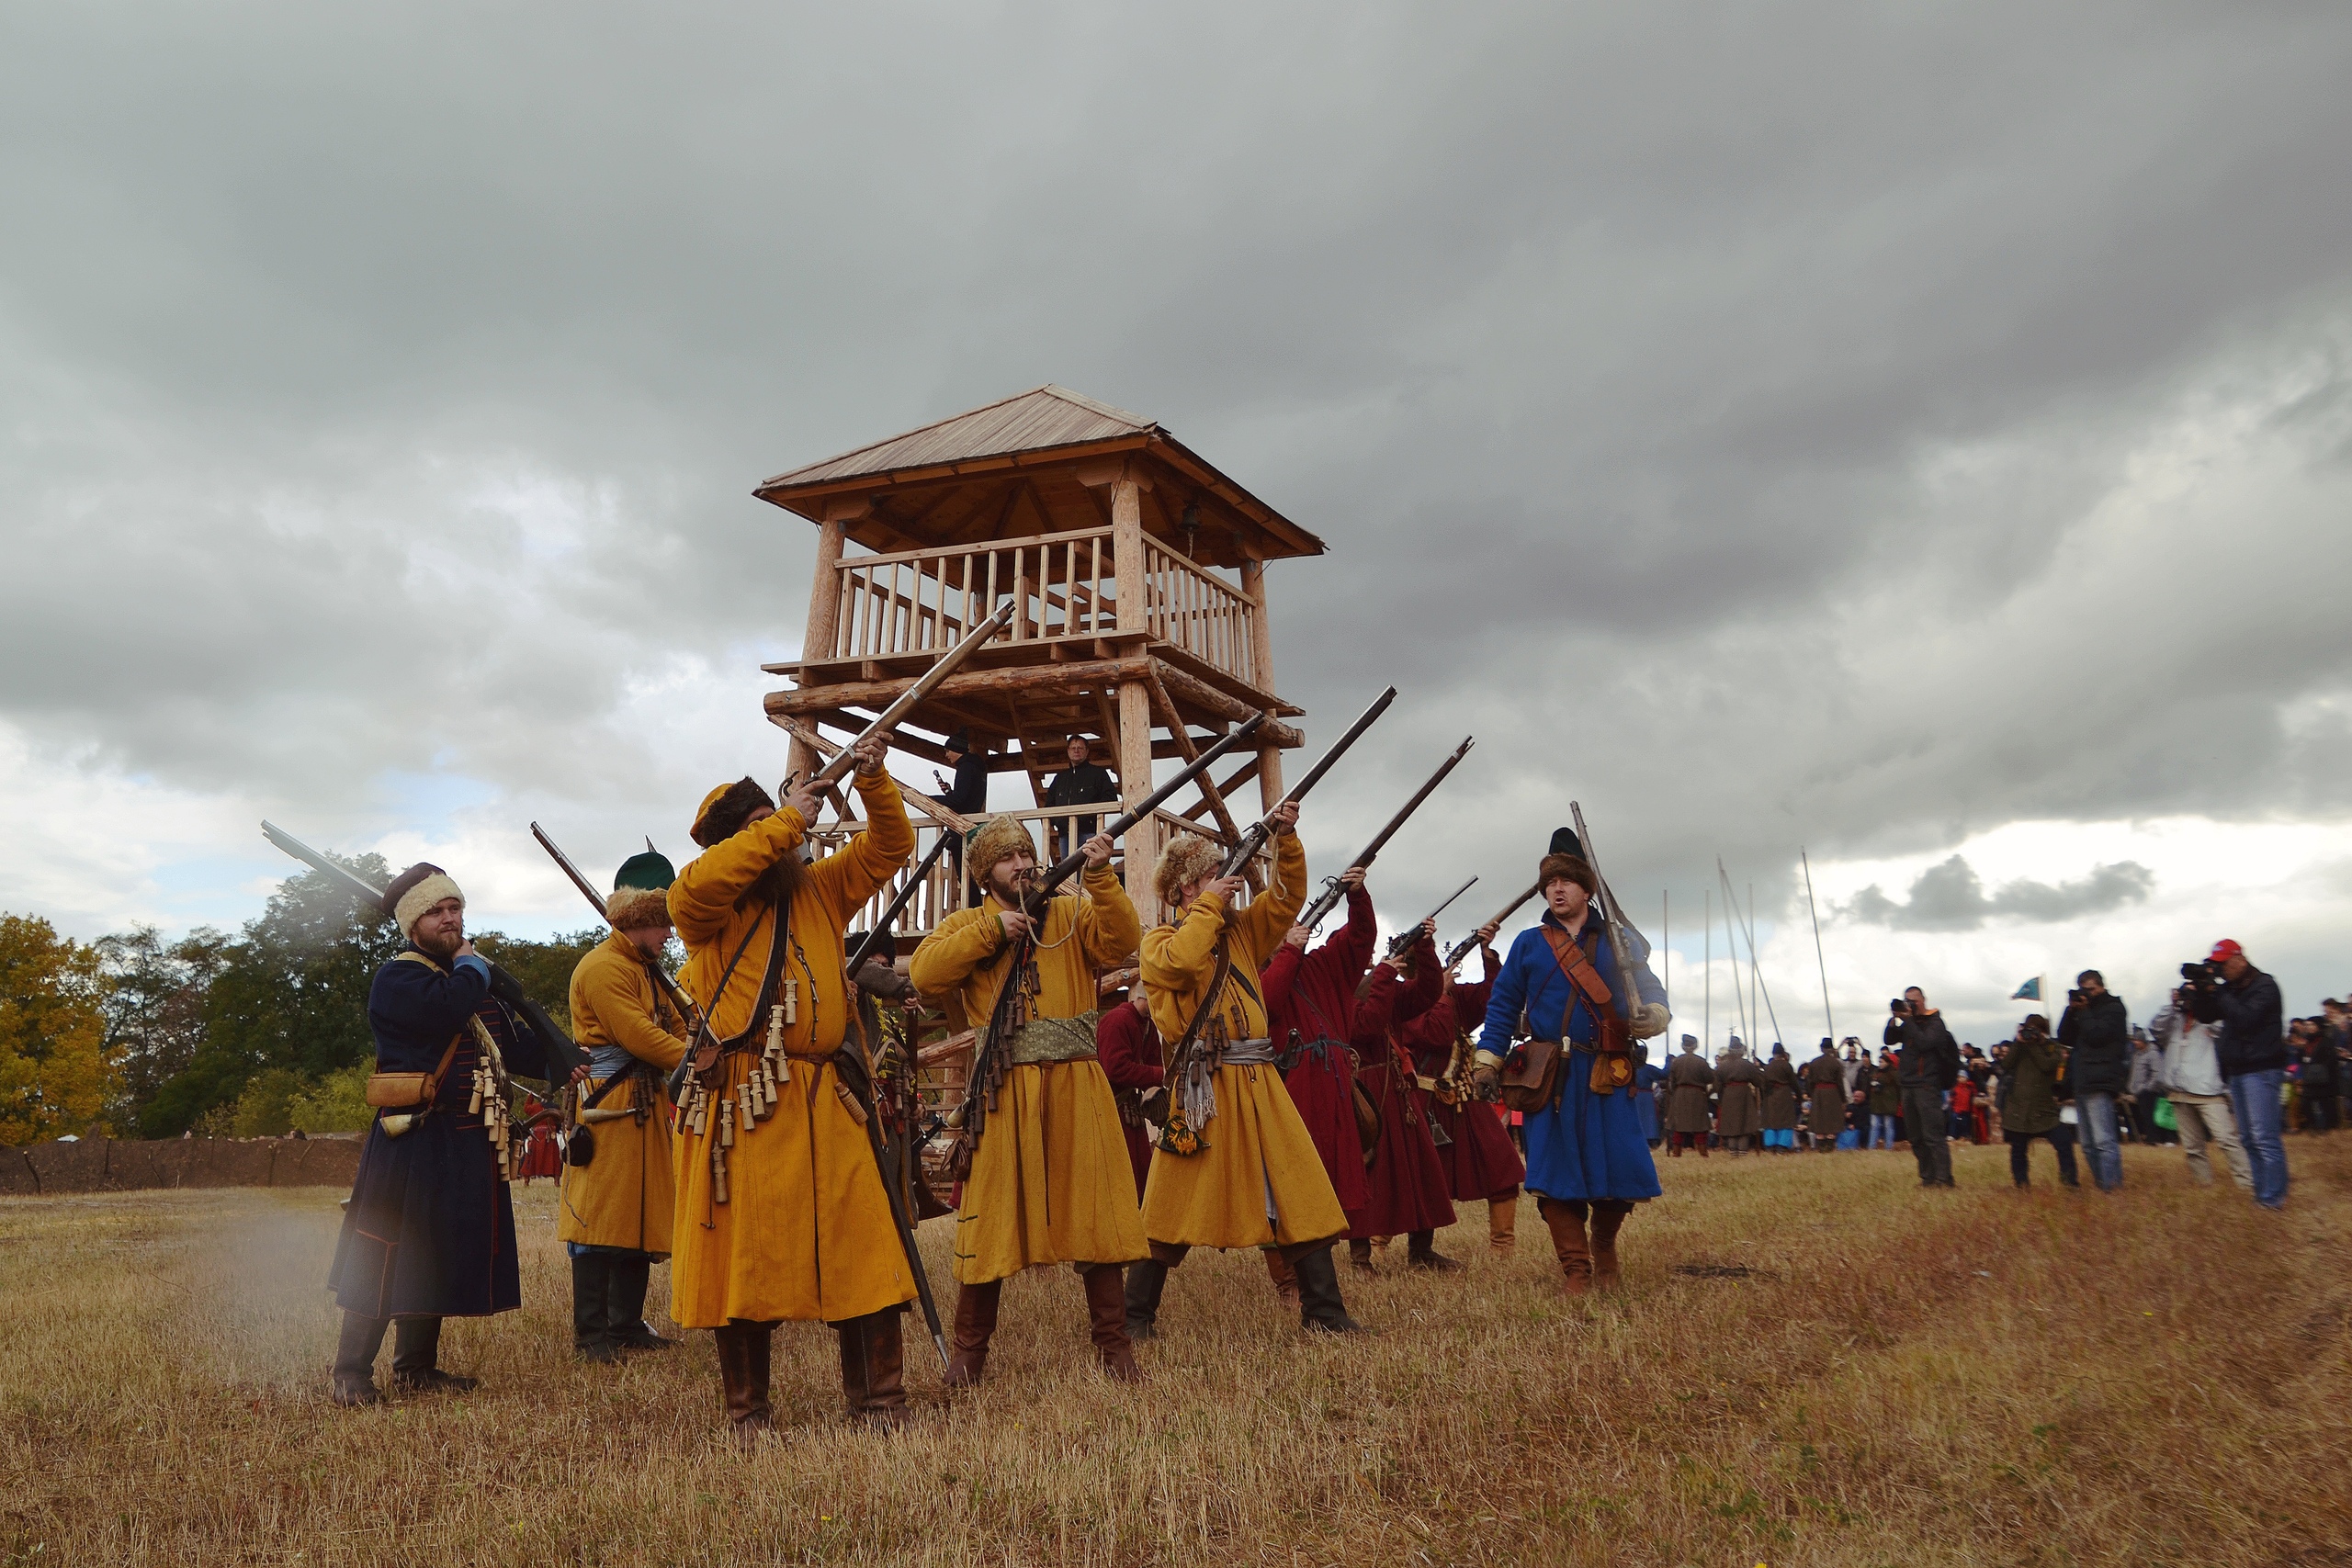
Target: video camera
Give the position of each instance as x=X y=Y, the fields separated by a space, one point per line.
x=2200 y=975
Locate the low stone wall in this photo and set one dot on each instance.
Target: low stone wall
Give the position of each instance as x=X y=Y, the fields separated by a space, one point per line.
x=102 y=1164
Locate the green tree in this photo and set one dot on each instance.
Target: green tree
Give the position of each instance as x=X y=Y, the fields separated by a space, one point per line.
x=543 y=968
x=153 y=995
x=290 y=993
x=336 y=1103
x=55 y=1074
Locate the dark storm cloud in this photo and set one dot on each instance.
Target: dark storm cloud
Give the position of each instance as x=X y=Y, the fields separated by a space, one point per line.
x=1951 y=897
x=1763 y=425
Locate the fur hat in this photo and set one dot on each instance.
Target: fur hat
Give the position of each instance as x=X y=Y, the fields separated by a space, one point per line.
x=725 y=810
x=1187 y=858
x=995 y=840
x=641 y=893
x=416 y=890
x=1575 y=868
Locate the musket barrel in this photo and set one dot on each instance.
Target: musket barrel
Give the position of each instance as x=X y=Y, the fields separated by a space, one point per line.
x=1069 y=866
x=1461 y=950
x=1402 y=940
x=835 y=771
x=1254 y=836
x=1329 y=899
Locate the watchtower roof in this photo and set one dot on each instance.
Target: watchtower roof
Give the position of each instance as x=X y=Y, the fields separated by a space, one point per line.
x=1035 y=463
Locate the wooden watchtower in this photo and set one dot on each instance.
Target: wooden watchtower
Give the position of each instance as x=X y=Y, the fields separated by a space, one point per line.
x=1112 y=539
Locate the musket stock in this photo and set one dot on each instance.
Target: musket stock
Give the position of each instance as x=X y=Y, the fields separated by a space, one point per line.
x=838 y=769
x=561 y=1053
x=1254 y=836
x=1329 y=899
x=1402 y=943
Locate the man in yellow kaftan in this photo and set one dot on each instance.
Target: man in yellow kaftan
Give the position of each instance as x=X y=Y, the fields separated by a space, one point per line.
x=1046 y=1183
x=614 y=1219
x=1251 y=1177
x=781 y=1211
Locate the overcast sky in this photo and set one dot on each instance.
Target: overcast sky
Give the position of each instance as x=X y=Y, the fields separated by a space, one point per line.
x=1919 y=436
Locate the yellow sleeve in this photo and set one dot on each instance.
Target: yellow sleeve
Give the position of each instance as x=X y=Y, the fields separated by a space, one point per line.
x=863 y=866
x=1179 y=958
x=703 y=898
x=1107 y=924
x=615 y=997
x=1261 y=926
x=964 y=941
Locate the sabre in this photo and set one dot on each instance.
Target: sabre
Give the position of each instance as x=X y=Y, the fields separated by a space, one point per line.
x=560 y=1050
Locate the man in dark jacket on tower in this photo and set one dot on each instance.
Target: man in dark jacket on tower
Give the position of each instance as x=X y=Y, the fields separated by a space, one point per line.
x=2252 y=1053
x=1084 y=783
x=2098 y=1037
x=1929 y=1065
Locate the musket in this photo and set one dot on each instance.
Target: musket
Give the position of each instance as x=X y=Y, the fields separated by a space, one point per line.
x=881 y=931
x=970 y=1118
x=1254 y=836
x=561 y=1053
x=844 y=760
x=678 y=998
x=1329 y=899
x=855 y=1047
x=1620 y=945
x=1402 y=943
x=1461 y=950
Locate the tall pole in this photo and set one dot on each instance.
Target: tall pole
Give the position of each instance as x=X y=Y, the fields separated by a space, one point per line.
x=1731 y=946
x=1707 y=1018
x=1828 y=1017
x=1666 y=943
x=1755 y=972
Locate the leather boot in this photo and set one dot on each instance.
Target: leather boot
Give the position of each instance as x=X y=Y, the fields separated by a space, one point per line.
x=873 y=1370
x=1106 y=1315
x=1502 y=1222
x=1566 y=1224
x=1360 y=1254
x=354 y=1379
x=1322 y=1311
x=743 y=1374
x=416 y=1350
x=1285 y=1281
x=1420 y=1254
x=1146 y=1279
x=625 y=1321
x=967 y=1342
x=592 y=1289
x=1607 y=1217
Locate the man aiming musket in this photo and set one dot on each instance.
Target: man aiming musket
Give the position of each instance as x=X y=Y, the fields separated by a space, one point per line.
x=1586 y=1156
x=1234 y=1166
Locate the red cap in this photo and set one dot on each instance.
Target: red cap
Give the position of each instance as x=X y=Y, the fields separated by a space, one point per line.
x=2224 y=949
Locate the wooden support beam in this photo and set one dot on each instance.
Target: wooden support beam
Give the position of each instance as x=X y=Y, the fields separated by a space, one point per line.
x=1210 y=794
x=824 y=616
x=1033 y=681
x=826 y=745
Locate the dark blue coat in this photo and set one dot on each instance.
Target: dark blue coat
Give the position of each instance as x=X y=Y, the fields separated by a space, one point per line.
x=430 y=1232
x=1583 y=1145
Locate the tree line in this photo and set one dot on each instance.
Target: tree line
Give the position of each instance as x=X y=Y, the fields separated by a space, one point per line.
x=248 y=1035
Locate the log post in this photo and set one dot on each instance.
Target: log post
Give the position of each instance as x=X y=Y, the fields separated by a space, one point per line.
x=1134 y=739
x=1262 y=654
x=824 y=618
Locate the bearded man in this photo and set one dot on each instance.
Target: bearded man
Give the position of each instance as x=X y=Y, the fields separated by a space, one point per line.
x=430 y=1230
x=618 y=1187
x=1048 y=1181
x=783 y=1213
x=1586 y=1151
x=1234 y=1166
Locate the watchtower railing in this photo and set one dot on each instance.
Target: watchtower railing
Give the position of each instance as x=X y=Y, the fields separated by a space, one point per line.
x=1066 y=586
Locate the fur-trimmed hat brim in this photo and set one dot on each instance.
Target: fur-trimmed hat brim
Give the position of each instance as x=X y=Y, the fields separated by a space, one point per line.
x=995 y=841
x=637 y=908
x=727 y=808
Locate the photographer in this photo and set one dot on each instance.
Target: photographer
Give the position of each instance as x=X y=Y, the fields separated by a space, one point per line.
x=2029 y=1101
x=2229 y=990
x=2192 y=1081
x=1928 y=1064
x=2098 y=1037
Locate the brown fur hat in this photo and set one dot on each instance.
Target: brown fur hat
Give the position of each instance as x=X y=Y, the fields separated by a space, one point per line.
x=727 y=808
x=1575 y=868
x=993 y=842
x=1187 y=858
x=633 y=908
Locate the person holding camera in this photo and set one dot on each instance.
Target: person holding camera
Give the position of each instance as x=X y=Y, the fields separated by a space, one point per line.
x=1927 y=1065
x=2192 y=1081
x=2098 y=1037
x=2250 y=1049
x=2029 y=1092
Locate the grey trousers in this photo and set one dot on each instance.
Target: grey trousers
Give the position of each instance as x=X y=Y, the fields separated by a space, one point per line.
x=1923 y=1123
x=2205 y=1119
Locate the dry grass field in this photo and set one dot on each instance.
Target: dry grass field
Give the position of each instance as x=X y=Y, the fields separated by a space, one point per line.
x=1897 y=1377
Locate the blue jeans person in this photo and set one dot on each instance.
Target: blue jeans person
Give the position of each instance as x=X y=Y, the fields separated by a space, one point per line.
x=2102 y=1141
x=2253 y=1100
x=1881 y=1132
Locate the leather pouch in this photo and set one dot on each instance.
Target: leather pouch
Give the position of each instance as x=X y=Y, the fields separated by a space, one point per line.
x=1531 y=1077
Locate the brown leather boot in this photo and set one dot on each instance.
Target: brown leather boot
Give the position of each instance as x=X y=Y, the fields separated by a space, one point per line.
x=1502 y=1222
x=969 y=1340
x=1360 y=1254
x=1608 y=1218
x=1285 y=1279
x=1566 y=1220
x=743 y=1374
x=1106 y=1315
x=873 y=1370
